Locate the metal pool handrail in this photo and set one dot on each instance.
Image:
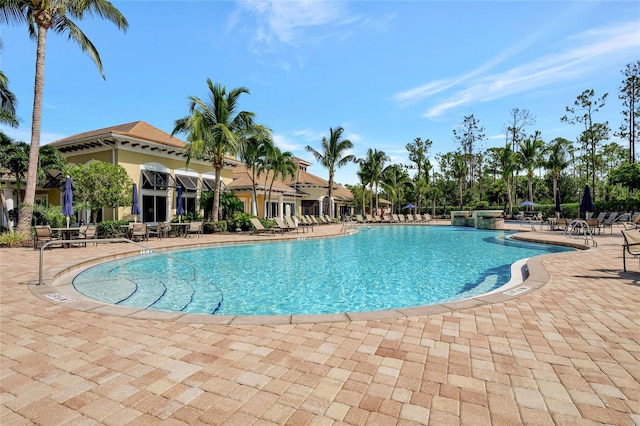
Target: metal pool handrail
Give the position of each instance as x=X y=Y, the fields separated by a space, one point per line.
x=146 y=250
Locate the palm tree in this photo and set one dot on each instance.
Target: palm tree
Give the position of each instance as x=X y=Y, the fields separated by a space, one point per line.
x=394 y=181
x=529 y=157
x=7 y=101
x=459 y=172
x=253 y=152
x=41 y=16
x=374 y=164
x=333 y=156
x=214 y=129
x=505 y=161
x=279 y=164
x=363 y=176
x=556 y=160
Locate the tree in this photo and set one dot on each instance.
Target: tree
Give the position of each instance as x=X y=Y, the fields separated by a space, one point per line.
x=280 y=164
x=373 y=163
x=505 y=163
x=630 y=96
x=41 y=16
x=100 y=185
x=333 y=155
x=459 y=170
x=214 y=129
x=7 y=101
x=557 y=159
x=418 y=151
x=253 y=152
x=627 y=175
x=15 y=157
x=363 y=177
x=468 y=134
x=585 y=106
x=394 y=181
x=530 y=157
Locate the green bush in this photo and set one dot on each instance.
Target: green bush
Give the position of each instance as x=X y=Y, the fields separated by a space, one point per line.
x=110 y=228
x=14 y=239
x=242 y=221
x=211 y=227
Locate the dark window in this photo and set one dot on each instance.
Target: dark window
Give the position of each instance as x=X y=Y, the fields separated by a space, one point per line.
x=157 y=180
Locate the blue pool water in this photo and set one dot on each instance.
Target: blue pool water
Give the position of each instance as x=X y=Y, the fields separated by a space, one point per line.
x=381 y=268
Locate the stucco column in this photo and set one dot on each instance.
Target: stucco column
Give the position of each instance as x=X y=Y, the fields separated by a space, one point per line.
x=281 y=206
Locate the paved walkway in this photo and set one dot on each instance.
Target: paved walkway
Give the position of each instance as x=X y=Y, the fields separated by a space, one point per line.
x=566 y=351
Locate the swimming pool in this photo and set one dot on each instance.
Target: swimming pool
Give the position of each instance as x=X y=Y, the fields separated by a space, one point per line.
x=388 y=267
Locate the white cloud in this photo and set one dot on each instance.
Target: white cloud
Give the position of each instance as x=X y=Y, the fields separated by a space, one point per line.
x=583 y=53
x=281 y=21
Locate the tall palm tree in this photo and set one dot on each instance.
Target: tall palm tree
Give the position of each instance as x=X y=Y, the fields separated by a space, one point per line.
x=374 y=162
x=363 y=176
x=279 y=164
x=459 y=172
x=253 y=152
x=7 y=101
x=214 y=129
x=530 y=157
x=505 y=160
x=332 y=156
x=394 y=181
x=557 y=159
x=56 y=15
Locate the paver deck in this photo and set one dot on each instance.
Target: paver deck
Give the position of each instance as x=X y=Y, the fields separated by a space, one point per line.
x=567 y=351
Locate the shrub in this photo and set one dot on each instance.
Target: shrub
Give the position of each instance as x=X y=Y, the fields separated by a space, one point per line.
x=211 y=227
x=14 y=239
x=110 y=228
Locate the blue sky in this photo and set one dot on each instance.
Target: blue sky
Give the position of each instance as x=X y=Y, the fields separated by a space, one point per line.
x=386 y=71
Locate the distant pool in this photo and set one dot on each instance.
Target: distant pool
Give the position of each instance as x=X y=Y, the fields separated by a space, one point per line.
x=387 y=267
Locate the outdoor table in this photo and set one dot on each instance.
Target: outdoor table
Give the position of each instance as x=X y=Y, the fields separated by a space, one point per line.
x=180 y=229
x=66 y=233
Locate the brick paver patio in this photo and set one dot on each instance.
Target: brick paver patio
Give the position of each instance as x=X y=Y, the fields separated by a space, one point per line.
x=567 y=352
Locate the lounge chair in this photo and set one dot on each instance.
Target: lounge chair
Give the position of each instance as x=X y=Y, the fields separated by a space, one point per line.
x=402 y=218
x=608 y=222
x=282 y=225
x=43 y=235
x=634 y=223
x=87 y=232
x=304 y=222
x=631 y=245
x=292 y=223
x=195 y=228
x=369 y=218
x=428 y=218
x=259 y=228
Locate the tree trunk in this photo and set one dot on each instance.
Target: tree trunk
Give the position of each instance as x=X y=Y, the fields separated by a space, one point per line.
x=36 y=123
x=216 y=195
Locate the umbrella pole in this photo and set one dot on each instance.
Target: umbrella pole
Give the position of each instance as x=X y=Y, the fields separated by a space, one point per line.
x=67 y=221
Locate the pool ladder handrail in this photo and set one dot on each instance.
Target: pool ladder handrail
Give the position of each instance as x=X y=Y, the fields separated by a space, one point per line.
x=146 y=250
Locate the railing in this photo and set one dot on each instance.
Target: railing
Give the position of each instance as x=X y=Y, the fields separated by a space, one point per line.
x=144 y=250
x=581 y=228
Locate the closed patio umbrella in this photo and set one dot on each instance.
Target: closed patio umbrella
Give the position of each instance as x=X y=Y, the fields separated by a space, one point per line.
x=135 y=208
x=67 y=206
x=587 y=203
x=179 y=208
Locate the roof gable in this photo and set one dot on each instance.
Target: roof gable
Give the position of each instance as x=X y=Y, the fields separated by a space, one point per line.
x=136 y=130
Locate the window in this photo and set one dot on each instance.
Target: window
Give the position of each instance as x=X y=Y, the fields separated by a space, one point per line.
x=157 y=180
x=154 y=208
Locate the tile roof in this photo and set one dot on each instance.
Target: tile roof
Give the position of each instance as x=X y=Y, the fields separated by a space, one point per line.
x=136 y=129
x=242 y=179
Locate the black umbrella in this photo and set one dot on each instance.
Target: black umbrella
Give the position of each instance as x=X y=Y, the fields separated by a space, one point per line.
x=558 y=207
x=67 y=206
x=135 y=208
x=587 y=203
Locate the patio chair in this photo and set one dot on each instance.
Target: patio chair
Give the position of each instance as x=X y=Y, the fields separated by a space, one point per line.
x=259 y=228
x=195 y=228
x=43 y=235
x=87 y=232
x=304 y=222
x=428 y=218
x=293 y=224
x=631 y=245
x=161 y=230
x=140 y=232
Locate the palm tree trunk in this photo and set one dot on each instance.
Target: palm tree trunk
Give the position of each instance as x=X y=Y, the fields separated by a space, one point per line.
x=216 y=195
x=36 y=123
